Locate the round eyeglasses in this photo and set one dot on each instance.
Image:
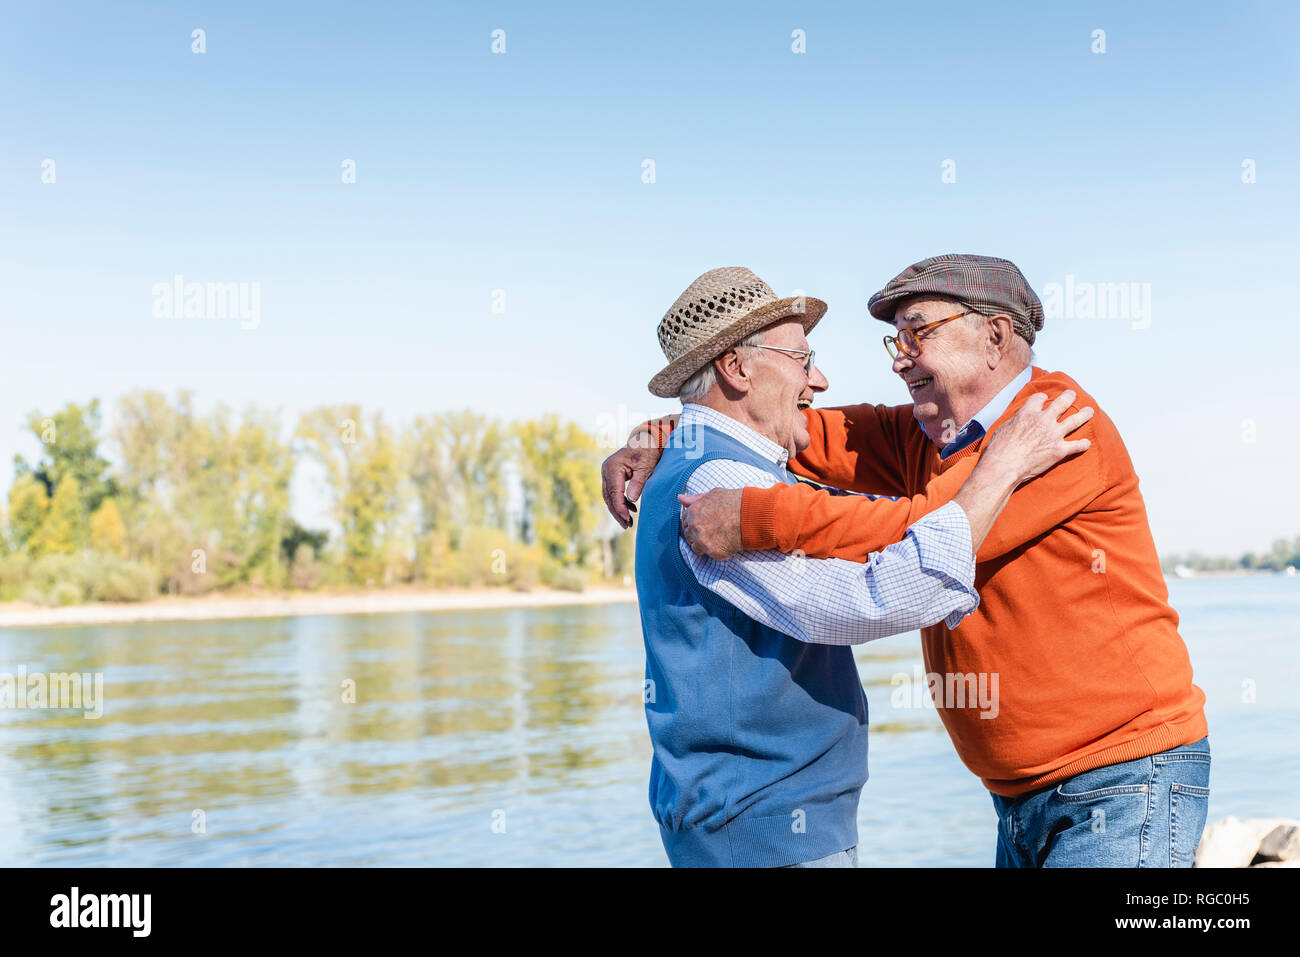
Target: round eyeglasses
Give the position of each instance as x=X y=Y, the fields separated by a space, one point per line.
x=908 y=343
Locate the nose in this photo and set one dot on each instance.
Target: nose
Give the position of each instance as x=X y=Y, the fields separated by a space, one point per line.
x=816 y=381
x=902 y=363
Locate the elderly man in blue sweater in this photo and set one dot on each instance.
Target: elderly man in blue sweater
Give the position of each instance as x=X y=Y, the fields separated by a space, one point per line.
x=754 y=705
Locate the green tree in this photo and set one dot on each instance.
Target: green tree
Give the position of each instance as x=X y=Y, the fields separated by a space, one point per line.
x=210 y=483
x=364 y=481
x=256 y=515
x=70 y=447
x=304 y=571
x=457 y=463
x=147 y=432
x=295 y=537
x=560 y=474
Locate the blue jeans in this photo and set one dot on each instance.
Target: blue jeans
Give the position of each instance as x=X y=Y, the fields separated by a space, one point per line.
x=1144 y=813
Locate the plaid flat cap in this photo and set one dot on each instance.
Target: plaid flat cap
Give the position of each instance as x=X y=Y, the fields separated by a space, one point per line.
x=981 y=283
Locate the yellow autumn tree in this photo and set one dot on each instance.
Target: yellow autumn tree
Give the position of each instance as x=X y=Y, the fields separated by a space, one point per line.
x=64 y=529
x=107 y=532
x=560 y=475
x=28 y=503
x=364 y=477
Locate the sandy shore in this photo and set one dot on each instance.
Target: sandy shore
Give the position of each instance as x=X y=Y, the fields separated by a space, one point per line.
x=22 y=614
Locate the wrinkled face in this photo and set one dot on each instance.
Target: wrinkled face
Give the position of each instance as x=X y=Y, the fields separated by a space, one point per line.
x=946 y=376
x=779 y=388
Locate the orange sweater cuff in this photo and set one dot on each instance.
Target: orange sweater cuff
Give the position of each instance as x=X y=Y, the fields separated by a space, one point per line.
x=758 y=518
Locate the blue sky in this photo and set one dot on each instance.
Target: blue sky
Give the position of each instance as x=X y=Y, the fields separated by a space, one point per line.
x=522 y=172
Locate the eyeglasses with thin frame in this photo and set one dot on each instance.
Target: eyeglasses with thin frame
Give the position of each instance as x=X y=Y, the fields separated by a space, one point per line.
x=807 y=366
x=909 y=343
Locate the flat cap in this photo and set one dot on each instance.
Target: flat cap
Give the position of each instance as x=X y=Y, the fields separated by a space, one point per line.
x=981 y=283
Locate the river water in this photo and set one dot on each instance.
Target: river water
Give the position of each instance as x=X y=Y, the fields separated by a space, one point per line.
x=504 y=738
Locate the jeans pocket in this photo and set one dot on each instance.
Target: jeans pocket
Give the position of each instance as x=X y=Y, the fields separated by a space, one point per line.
x=1111 y=780
x=1074 y=797
x=1188 y=806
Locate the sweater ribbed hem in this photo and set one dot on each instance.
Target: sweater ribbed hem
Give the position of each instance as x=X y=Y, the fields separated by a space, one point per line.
x=776 y=840
x=1160 y=738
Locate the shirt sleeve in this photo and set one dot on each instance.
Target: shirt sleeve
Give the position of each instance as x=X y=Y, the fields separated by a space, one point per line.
x=926 y=578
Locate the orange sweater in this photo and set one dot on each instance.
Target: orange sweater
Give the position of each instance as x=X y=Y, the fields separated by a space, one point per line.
x=1074 y=615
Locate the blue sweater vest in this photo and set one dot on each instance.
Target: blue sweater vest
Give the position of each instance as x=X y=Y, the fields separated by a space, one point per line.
x=760 y=740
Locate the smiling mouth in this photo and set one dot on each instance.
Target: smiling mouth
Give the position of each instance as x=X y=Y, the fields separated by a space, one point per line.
x=802 y=404
x=917 y=385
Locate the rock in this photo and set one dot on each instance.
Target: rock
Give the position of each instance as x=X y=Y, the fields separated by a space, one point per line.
x=1282 y=843
x=1227 y=843
x=1234 y=843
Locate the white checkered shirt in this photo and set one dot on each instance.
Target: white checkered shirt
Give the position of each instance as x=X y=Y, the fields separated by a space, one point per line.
x=927 y=577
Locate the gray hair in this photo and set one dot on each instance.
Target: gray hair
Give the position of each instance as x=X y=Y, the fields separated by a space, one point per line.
x=700 y=384
x=1019 y=344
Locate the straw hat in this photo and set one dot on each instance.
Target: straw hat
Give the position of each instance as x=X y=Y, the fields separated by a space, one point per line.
x=714 y=313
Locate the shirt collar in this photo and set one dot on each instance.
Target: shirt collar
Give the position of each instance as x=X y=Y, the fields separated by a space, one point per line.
x=693 y=414
x=1002 y=401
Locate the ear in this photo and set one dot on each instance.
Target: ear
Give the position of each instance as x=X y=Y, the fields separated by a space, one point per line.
x=1000 y=331
x=731 y=374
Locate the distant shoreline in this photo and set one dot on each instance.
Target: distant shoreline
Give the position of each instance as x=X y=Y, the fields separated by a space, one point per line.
x=375 y=602
x=18 y=614
x=1225 y=573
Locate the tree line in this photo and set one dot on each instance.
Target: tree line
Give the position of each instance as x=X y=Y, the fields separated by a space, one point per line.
x=1283 y=553
x=172 y=501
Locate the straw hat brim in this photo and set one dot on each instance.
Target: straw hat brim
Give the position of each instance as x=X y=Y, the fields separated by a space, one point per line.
x=669 y=381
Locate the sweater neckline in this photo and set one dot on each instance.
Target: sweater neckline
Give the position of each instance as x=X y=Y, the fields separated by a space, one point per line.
x=976 y=447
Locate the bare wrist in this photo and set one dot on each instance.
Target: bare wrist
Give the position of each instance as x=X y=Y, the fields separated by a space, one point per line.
x=997 y=474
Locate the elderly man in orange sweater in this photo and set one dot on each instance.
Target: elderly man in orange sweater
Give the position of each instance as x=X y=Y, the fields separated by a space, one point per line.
x=1097 y=754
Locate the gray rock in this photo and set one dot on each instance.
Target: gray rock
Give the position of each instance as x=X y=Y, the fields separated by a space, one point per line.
x=1281 y=844
x=1234 y=843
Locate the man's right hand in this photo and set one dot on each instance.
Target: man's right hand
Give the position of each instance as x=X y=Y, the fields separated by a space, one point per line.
x=1032 y=440
x=624 y=474
x=1028 y=444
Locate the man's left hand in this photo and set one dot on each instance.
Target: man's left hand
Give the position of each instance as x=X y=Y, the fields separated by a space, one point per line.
x=711 y=522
